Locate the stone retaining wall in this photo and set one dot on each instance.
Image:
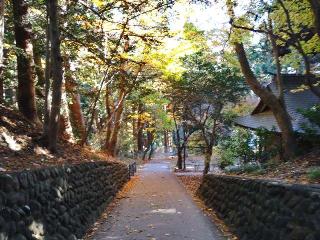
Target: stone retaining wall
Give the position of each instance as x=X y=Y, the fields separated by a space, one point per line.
x=57 y=203
x=264 y=210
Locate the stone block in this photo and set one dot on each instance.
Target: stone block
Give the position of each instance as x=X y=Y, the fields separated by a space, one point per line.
x=251 y=205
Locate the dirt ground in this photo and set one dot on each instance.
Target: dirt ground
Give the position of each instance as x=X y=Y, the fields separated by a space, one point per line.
x=295 y=171
x=21 y=149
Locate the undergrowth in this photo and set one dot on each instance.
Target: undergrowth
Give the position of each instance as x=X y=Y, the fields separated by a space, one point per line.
x=314 y=173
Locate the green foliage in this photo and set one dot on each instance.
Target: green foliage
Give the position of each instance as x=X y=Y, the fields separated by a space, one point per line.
x=244 y=148
x=236 y=148
x=311 y=131
x=267 y=143
x=314 y=174
x=207 y=78
x=261 y=55
x=201 y=96
x=313 y=114
x=301 y=23
x=292 y=26
x=195 y=36
x=251 y=168
x=227 y=158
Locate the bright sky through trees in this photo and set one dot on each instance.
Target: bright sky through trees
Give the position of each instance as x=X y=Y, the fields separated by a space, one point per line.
x=204 y=17
x=212 y=19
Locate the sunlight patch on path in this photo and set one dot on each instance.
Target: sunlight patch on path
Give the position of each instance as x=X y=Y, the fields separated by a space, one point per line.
x=165 y=211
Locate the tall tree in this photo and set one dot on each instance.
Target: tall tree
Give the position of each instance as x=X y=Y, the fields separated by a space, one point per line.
x=181 y=135
x=274 y=103
x=57 y=74
x=47 y=84
x=291 y=31
x=279 y=111
x=111 y=141
x=74 y=104
x=25 y=64
x=207 y=87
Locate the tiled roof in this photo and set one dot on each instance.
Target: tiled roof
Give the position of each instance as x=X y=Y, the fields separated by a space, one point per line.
x=261 y=120
x=295 y=96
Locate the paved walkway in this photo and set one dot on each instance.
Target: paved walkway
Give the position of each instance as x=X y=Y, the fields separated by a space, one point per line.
x=157 y=208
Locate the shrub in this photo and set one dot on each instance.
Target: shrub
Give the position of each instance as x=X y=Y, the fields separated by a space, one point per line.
x=251 y=167
x=311 y=128
x=234 y=169
x=314 y=173
x=235 y=148
x=226 y=158
x=313 y=114
x=267 y=149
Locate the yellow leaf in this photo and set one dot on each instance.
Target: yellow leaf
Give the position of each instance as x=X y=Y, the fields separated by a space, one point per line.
x=98 y=3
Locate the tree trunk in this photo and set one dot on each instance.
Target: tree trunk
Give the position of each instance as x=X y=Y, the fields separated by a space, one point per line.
x=108 y=132
x=65 y=127
x=109 y=110
x=178 y=144
x=149 y=144
x=74 y=104
x=25 y=65
x=38 y=63
x=184 y=156
x=57 y=73
x=47 y=83
x=150 y=138
x=280 y=113
x=276 y=55
x=117 y=112
x=180 y=157
x=65 y=130
x=1 y=50
x=140 y=138
x=40 y=73
x=207 y=160
x=140 y=129
x=151 y=151
x=112 y=146
x=315 y=6
x=134 y=129
x=165 y=140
